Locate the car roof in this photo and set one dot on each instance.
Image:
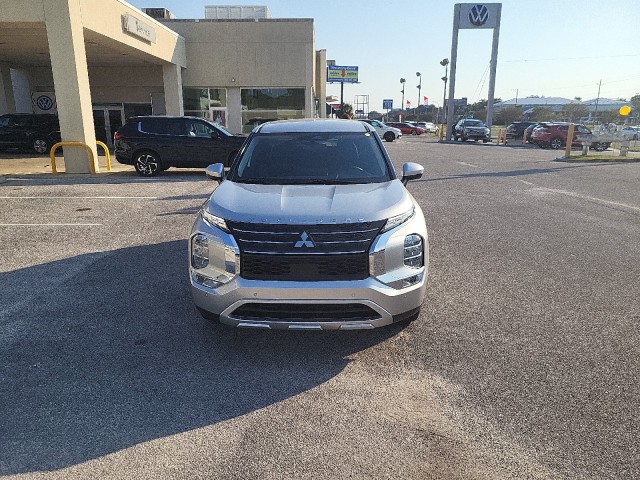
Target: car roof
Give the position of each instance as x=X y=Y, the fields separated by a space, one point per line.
x=314 y=125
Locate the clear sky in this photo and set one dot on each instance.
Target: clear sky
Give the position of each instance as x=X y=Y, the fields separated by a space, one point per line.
x=555 y=48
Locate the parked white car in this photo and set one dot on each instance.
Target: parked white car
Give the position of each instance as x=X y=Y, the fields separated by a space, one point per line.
x=383 y=130
x=428 y=127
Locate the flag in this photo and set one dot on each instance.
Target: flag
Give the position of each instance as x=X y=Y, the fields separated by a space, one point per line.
x=426 y=99
x=408 y=102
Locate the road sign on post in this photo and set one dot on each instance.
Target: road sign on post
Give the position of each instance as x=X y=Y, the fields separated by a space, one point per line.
x=387 y=104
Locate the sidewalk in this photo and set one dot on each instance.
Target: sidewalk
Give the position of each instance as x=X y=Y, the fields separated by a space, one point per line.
x=24 y=164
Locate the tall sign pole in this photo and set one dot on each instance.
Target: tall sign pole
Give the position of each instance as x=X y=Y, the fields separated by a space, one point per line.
x=473 y=16
x=493 y=66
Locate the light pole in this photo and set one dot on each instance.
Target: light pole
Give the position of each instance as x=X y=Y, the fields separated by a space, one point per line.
x=445 y=63
x=402 y=81
x=419 y=75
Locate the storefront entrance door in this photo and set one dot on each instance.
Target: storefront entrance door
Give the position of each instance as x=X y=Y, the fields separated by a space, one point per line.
x=106 y=121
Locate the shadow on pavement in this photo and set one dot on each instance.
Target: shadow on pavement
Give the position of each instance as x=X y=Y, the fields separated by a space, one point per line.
x=112 y=353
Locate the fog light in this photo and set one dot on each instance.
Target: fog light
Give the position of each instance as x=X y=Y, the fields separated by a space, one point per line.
x=413 y=251
x=205 y=281
x=199 y=251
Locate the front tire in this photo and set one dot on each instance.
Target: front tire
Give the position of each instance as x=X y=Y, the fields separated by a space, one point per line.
x=40 y=145
x=556 y=143
x=147 y=163
x=389 y=137
x=414 y=132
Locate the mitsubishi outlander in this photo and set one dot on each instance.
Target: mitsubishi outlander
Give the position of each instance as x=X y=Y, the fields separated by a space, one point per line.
x=310 y=229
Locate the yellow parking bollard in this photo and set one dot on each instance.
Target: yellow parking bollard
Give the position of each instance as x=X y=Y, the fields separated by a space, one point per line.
x=52 y=155
x=524 y=136
x=567 y=151
x=106 y=154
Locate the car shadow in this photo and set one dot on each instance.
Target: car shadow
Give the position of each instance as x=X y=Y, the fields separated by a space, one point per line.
x=104 y=351
x=114 y=178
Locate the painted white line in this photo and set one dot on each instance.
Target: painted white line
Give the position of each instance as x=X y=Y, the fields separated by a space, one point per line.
x=468 y=164
x=50 y=224
x=73 y=198
x=583 y=197
x=525 y=182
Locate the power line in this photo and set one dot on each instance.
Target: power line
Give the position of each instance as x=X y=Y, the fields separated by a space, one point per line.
x=567 y=58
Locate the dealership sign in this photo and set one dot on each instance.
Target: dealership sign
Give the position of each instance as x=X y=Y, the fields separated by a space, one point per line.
x=44 y=102
x=337 y=74
x=138 y=28
x=478 y=15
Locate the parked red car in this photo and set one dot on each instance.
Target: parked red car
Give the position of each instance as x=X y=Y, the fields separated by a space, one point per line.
x=554 y=135
x=407 y=128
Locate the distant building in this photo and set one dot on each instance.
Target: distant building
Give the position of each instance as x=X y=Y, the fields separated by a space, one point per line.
x=558 y=103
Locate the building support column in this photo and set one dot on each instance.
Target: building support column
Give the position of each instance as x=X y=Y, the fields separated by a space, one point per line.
x=172 y=78
x=7 y=102
x=234 y=110
x=71 y=81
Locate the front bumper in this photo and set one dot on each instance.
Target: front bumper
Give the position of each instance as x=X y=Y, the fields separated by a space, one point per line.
x=392 y=292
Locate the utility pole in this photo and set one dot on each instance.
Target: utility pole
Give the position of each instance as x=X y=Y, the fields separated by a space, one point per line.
x=595 y=113
x=402 y=81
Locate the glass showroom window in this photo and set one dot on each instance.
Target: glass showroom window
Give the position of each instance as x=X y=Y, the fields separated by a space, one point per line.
x=209 y=103
x=261 y=105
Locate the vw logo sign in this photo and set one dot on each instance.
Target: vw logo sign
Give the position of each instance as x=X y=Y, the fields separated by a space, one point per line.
x=478 y=15
x=44 y=102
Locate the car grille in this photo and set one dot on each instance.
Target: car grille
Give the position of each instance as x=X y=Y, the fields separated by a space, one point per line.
x=304 y=312
x=305 y=252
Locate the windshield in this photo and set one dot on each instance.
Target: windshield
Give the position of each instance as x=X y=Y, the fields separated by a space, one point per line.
x=473 y=123
x=220 y=127
x=312 y=158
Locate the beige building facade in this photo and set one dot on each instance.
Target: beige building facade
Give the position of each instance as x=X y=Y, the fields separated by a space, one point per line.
x=98 y=62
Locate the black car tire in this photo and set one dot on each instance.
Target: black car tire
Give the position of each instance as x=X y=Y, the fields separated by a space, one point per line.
x=389 y=137
x=40 y=145
x=485 y=140
x=600 y=147
x=147 y=163
x=556 y=143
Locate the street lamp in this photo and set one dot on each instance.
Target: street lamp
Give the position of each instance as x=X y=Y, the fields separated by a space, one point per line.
x=445 y=63
x=402 y=81
x=418 y=74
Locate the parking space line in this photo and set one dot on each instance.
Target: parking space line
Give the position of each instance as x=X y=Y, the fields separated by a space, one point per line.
x=468 y=164
x=29 y=197
x=51 y=224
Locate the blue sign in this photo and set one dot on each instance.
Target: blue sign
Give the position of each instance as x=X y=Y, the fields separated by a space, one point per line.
x=341 y=74
x=387 y=104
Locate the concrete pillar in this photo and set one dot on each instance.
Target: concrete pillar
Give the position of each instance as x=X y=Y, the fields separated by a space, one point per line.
x=321 y=81
x=7 y=103
x=234 y=110
x=172 y=78
x=71 y=80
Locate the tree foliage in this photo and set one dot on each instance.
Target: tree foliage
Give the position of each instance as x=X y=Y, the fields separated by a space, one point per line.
x=573 y=112
x=542 y=114
x=509 y=114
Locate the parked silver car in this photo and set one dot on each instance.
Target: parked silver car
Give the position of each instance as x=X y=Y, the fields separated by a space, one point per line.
x=310 y=229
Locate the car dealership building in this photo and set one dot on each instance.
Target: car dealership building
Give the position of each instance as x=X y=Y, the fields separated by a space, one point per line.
x=97 y=62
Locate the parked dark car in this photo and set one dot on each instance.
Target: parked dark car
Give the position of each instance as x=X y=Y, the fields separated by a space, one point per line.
x=153 y=144
x=471 y=129
x=516 y=129
x=27 y=131
x=554 y=135
x=406 y=128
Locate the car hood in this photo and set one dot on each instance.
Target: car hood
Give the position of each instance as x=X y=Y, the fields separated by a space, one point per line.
x=309 y=204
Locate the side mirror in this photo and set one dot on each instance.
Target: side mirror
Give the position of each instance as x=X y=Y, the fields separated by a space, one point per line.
x=215 y=135
x=411 y=171
x=215 y=172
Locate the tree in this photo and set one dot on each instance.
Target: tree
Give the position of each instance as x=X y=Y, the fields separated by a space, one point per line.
x=347 y=111
x=610 y=116
x=573 y=112
x=542 y=114
x=509 y=114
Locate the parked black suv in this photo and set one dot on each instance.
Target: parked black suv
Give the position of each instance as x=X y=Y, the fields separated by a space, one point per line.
x=36 y=133
x=516 y=129
x=153 y=144
x=470 y=128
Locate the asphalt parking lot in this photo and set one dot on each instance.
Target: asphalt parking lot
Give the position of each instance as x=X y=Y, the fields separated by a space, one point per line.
x=522 y=364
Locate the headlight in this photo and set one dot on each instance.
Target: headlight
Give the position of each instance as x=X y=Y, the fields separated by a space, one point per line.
x=199 y=251
x=214 y=221
x=486 y=130
x=393 y=222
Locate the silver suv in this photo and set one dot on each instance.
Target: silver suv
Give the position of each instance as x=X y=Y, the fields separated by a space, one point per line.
x=310 y=229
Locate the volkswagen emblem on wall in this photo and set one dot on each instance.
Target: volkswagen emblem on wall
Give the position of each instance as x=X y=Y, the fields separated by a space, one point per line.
x=478 y=15
x=44 y=102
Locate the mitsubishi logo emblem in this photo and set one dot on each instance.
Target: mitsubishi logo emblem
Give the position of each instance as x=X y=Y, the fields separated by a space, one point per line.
x=479 y=15
x=304 y=241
